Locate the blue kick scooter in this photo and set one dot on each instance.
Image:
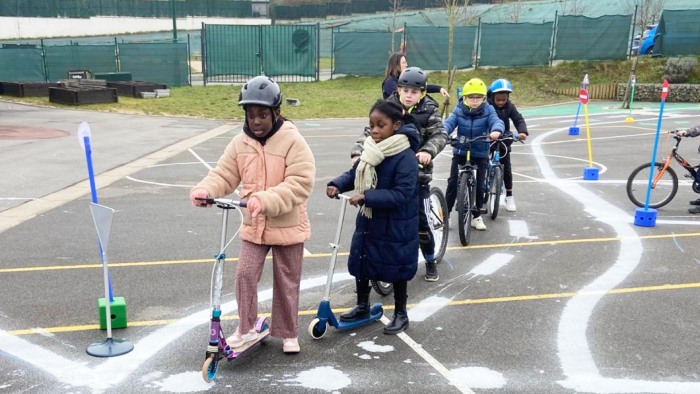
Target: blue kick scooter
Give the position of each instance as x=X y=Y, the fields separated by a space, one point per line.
x=324 y=317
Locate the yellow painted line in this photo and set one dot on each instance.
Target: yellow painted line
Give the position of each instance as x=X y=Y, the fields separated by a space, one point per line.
x=319 y=255
x=531 y=297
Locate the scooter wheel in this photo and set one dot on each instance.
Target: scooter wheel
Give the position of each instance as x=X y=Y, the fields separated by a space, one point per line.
x=317 y=329
x=210 y=368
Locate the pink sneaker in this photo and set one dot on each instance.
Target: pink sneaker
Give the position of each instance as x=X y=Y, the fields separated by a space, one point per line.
x=291 y=345
x=238 y=340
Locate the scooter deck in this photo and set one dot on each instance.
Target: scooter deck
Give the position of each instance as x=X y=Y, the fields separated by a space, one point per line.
x=237 y=351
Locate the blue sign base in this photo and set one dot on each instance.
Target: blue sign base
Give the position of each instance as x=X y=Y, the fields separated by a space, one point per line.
x=645 y=217
x=591 y=173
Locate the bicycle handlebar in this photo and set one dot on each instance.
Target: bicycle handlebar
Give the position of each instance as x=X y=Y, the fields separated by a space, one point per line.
x=224 y=202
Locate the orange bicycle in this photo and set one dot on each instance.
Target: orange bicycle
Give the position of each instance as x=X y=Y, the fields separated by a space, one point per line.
x=664 y=181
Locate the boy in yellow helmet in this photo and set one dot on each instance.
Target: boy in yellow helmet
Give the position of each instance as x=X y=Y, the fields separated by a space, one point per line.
x=472 y=117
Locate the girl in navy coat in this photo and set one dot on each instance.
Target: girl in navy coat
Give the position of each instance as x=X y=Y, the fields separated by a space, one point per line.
x=385 y=242
x=473 y=117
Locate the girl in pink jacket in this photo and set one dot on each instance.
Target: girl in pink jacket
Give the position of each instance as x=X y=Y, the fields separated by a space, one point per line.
x=275 y=168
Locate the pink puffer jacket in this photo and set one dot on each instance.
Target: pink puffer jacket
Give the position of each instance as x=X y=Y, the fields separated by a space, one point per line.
x=280 y=173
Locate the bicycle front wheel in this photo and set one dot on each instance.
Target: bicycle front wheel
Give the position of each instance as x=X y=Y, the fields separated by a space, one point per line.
x=664 y=185
x=464 y=205
x=382 y=288
x=437 y=219
x=496 y=187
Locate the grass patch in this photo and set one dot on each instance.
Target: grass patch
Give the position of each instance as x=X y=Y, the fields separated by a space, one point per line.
x=353 y=96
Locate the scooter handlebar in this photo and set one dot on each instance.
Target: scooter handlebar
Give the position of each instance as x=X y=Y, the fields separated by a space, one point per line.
x=225 y=202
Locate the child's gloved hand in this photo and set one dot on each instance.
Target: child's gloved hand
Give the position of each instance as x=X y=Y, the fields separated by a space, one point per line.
x=199 y=193
x=332 y=192
x=254 y=206
x=522 y=136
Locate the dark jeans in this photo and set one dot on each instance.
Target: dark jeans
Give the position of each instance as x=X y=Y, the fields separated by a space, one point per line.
x=453 y=182
x=505 y=161
x=425 y=236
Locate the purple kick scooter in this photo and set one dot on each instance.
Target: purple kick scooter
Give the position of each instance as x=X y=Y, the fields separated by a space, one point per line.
x=218 y=348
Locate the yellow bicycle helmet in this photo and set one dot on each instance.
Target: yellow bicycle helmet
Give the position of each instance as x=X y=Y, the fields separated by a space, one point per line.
x=474 y=86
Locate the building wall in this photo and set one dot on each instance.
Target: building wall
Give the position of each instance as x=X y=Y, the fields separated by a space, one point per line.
x=12 y=28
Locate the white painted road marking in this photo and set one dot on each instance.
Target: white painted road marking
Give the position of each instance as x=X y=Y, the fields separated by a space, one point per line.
x=115 y=370
x=578 y=364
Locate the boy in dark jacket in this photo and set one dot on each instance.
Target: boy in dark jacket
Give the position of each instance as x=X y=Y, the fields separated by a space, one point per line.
x=411 y=94
x=473 y=117
x=385 y=242
x=499 y=96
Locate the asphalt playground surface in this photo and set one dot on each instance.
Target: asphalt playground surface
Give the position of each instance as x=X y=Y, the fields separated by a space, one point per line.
x=565 y=295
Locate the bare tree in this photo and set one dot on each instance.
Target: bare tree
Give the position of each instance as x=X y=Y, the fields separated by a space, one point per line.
x=572 y=7
x=648 y=11
x=395 y=8
x=454 y=10
x=514 y=11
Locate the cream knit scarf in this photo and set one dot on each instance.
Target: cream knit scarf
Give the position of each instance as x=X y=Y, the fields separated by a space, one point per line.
x=372 y=155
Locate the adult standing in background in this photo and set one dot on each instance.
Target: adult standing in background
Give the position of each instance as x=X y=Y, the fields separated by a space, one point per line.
x=396 y=65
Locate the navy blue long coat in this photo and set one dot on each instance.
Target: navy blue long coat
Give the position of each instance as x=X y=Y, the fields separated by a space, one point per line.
x=385 y=247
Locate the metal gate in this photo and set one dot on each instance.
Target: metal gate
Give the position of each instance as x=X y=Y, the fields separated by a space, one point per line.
x=236 y=53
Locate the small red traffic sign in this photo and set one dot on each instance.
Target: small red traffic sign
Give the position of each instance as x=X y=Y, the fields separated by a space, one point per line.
x=664 y=90
x=583 y=96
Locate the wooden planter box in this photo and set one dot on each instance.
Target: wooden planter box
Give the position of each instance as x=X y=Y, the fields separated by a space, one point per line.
x=134 y=88
x=82 y=95
x=26 y=89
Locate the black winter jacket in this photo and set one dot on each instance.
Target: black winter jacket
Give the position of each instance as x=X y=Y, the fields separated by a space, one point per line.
x=433 y=138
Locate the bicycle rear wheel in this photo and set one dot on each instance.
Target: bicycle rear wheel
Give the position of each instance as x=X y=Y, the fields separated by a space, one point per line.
x=437 y=219
x=662 y=192
x=464 y=205
x=496 y=188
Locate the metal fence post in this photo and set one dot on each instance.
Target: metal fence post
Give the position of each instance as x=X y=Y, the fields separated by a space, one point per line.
x=203 y=39
x=318 y=51
x=332 y=50
x=478 y=43
x=45 y=67
x=553 y=40
x=117 y=63
x=189 y=61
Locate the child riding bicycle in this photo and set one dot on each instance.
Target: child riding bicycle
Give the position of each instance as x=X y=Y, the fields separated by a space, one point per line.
x=693 y=132
x=499 y=96
x=472 y=117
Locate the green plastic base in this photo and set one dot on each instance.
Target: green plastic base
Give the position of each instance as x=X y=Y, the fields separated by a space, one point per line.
x=117 y=309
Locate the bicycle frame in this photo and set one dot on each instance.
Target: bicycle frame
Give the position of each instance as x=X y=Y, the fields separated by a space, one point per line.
x=678 y=158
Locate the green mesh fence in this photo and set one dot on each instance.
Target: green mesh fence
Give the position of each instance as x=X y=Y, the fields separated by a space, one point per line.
x=21 y=64
x=678 y=33
x=361 y=53
x=155 y=62
x=428 y=46
x=583 y=38
x=231 y=52
x=515 y=44
x=289 y=50
x=234 y=53
x=96 y=58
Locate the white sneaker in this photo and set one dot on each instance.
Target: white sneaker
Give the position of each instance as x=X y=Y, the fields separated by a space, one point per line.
x=510 y=204
x=478 y=223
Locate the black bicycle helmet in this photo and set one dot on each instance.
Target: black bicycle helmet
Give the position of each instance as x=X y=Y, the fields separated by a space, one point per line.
x=413 y=77
x=261 y=90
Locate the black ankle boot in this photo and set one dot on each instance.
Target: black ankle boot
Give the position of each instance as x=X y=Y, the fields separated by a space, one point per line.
x=358 y=312
x=361 y=309
x=398 y=324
